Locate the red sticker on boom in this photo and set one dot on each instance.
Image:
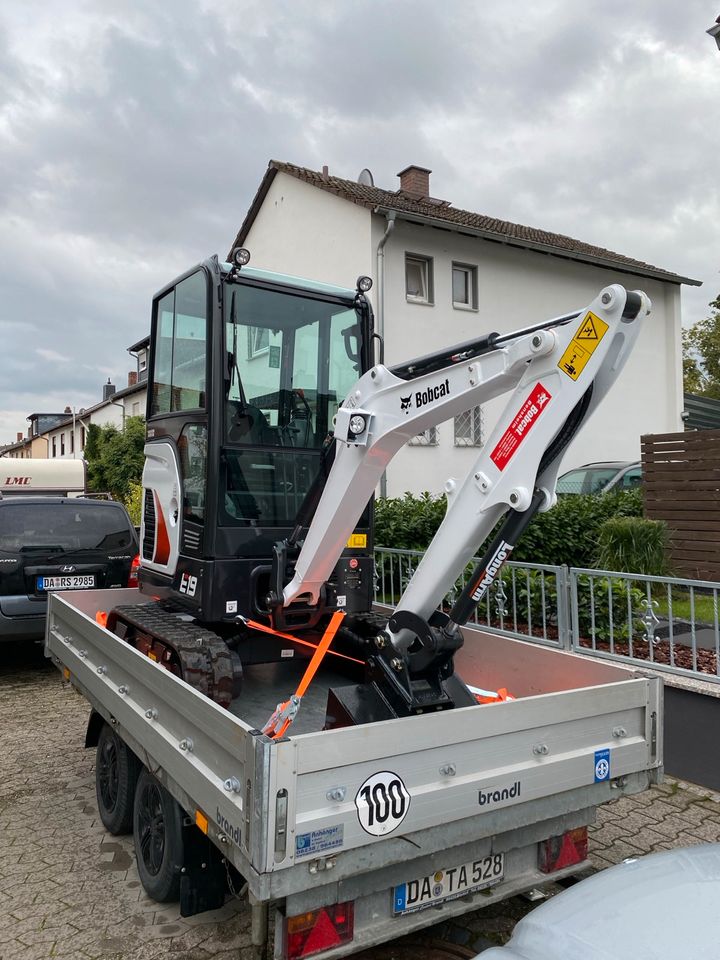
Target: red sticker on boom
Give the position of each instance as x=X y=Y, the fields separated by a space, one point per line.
x=521 y=425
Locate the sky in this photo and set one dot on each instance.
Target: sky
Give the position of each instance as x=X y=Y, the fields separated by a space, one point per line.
x=134 y=133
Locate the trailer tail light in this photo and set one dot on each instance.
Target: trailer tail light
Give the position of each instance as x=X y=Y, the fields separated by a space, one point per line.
x=318 y=930
x=134 y=567
x=569 y=848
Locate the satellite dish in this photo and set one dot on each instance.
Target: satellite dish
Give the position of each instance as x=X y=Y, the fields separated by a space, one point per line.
x=366 y=178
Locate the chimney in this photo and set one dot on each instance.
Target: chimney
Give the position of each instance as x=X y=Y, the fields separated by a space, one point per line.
x=415 y=181
x=19 y=437
x=108 y=390
x=132 y=378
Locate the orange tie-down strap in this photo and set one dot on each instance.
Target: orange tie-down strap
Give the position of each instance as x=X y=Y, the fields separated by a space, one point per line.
x=285 y=712
x=303 y=643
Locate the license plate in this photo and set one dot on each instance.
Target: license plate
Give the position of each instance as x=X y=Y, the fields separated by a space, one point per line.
x=448 y=884
x=66 y=583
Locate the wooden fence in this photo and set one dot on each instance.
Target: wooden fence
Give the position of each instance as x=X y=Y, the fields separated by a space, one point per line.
x=681 y=485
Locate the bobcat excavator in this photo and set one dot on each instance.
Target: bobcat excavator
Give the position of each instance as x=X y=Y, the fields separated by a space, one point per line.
x=269 y=426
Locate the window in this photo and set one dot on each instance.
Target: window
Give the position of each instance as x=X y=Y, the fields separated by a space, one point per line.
x=180 y=339
x=54 y=446
x=82 y=438
x=192 y=447
x=67 y=525
x=418 y=279
x=428 y=438
x=464 y=286
x=136 y=409
x=72 y=441
x=258 y=341
x=62 y=444
x=631 y=478
x=469 y=428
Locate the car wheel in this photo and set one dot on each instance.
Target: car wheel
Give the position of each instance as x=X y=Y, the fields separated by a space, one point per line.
x=158 y=836
x=116 y=773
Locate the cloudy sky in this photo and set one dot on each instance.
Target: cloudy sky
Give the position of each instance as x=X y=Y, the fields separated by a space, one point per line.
x=134 y=133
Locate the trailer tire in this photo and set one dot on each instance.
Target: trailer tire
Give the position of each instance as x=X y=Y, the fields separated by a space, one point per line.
x=158 y=836
x=116 y=773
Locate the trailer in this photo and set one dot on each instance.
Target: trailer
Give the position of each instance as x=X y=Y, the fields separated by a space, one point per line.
x=36 y=477
x=350 y=837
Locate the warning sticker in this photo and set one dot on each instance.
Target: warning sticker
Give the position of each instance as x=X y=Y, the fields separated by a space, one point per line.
x=521 y=425
x=590 y=332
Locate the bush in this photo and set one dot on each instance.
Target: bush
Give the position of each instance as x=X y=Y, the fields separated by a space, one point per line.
x=408 y=523
x=532 y=592
x=567 y=534
x=594 y=607
x=133 y=503
x=633 y=545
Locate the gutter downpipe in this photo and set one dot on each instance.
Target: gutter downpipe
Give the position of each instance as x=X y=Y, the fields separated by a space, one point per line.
x=390 y=218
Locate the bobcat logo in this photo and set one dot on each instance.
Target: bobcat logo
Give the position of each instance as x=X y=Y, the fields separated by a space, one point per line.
x=405 y=403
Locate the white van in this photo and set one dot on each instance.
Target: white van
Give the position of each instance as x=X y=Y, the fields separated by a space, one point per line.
x=62 y=478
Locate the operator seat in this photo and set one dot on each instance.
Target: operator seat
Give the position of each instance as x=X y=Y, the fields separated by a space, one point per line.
x=247 y=424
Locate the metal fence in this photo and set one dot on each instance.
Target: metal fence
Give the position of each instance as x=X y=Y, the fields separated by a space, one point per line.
x=668 y=623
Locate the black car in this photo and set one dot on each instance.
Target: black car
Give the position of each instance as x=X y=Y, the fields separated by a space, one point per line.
x=59 y=543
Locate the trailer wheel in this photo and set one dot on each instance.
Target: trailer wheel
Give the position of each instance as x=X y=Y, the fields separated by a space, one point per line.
x=158 y=836
x=116 y=773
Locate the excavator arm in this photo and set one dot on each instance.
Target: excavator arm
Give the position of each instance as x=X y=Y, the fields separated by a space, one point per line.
x=557 y=372
x=550 y=369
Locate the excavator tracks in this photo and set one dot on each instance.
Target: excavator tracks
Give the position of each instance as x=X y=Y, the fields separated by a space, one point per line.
x=195 y=654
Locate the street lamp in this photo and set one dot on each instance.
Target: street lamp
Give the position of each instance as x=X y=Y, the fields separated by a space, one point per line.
x=714 y=31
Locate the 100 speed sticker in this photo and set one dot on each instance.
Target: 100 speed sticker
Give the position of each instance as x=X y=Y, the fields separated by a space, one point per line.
x=382 y=803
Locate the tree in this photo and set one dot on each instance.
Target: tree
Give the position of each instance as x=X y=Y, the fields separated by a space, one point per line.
x=701 y=355
x=115 y=457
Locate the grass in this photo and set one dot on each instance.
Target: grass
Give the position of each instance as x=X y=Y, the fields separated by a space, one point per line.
x=704 y=608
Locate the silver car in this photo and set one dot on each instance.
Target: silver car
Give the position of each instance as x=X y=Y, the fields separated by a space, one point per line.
x=664 y=905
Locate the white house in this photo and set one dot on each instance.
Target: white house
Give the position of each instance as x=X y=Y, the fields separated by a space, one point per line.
x=444 y=275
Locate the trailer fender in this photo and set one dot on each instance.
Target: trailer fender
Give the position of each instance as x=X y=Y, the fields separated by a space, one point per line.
x=95 y=724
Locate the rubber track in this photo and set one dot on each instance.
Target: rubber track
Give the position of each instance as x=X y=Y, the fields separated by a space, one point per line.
x=205 y=659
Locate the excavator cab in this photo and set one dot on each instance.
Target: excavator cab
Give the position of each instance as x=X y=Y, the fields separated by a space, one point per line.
x=247 y=371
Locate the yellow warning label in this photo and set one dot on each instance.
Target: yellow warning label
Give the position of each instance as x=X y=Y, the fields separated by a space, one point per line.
x=589 y=334
x=357 y=541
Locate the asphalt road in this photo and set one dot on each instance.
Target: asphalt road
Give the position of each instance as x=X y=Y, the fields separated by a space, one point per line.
x=69 y=890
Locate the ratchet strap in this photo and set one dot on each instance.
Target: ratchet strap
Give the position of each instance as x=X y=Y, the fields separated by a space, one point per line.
x=293 y=639
x=286 y=712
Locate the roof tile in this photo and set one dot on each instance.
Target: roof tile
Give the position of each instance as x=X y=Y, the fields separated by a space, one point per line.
x=503 y=230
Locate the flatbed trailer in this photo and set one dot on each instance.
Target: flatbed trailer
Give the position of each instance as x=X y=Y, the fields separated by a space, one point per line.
x=472 y=793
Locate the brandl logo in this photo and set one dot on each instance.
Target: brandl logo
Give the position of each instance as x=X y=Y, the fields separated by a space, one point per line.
x=68 y=568
x=405 y=403
x=497 y=796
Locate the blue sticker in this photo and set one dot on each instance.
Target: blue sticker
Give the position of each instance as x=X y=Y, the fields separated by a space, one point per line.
x=602 y=765
x=319 y=841
x=400 y=898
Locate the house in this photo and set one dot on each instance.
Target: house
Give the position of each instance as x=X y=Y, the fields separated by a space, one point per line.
x=35 y=444
x=63 y=435
x=444 y=275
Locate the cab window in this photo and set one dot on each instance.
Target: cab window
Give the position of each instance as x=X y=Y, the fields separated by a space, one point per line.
x=180 y=347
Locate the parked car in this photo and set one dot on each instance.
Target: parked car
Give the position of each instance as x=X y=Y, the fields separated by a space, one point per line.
x=59 y=543
x=601 y=477
x=659 y=906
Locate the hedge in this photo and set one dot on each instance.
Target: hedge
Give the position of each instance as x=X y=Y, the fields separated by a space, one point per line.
x=567 y=534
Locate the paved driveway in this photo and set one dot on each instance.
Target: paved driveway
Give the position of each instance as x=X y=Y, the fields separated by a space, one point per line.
x=68 y=889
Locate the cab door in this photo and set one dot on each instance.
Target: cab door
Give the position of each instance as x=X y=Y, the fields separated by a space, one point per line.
x=175 y=472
